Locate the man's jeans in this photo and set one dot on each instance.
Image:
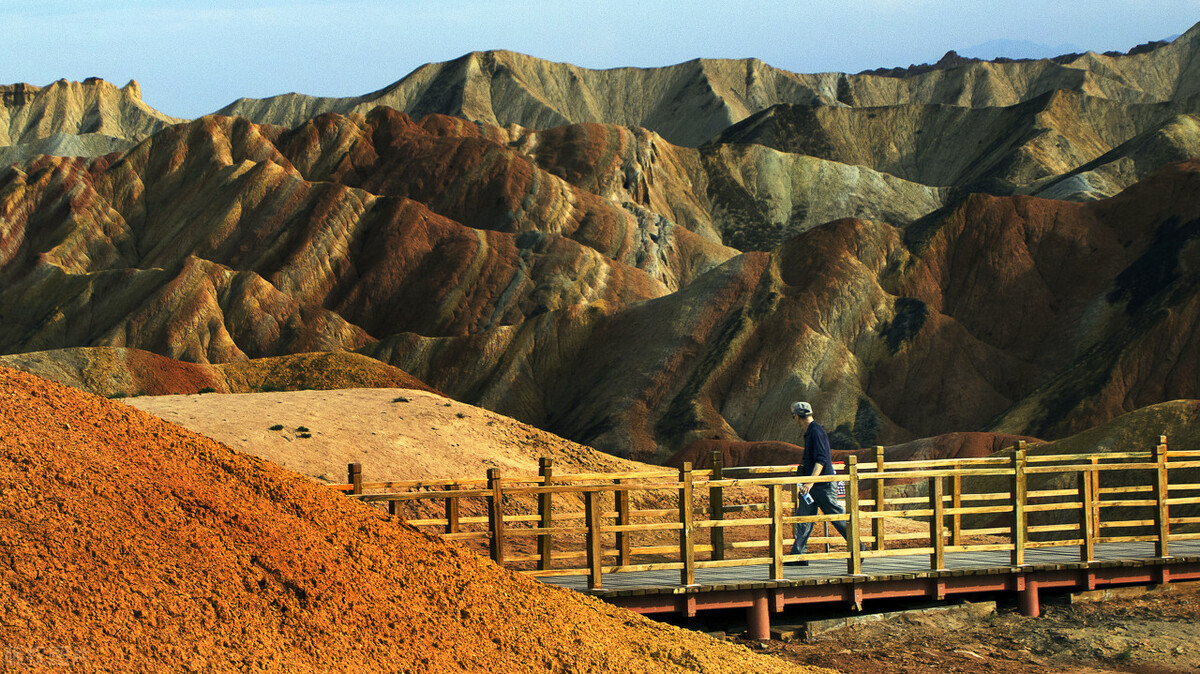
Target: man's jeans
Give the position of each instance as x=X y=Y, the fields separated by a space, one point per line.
x=824 y=496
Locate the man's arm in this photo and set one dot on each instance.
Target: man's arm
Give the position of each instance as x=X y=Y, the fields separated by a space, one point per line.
x=805 y=486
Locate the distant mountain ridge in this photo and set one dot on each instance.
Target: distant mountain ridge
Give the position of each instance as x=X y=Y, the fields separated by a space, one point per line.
x=1001 y=127
x=692 y=102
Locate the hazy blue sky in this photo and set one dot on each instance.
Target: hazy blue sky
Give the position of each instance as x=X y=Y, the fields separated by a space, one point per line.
x=192 y=57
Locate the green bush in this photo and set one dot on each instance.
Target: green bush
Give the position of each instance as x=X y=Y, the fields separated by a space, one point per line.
x=276 y=427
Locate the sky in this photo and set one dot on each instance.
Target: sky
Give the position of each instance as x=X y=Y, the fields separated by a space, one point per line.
x=192 y=57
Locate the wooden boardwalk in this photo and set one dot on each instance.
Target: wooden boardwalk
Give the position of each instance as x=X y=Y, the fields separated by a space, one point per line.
x=826 y=583
x=880 y=569
x=656 y=541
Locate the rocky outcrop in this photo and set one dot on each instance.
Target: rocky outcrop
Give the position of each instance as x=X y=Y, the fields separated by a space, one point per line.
x=88 y=118
x=1174 y=140
x=990 y=149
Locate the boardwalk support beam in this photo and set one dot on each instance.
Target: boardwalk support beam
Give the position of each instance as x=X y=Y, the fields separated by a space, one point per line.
x=758 y=617
x=1028 y=599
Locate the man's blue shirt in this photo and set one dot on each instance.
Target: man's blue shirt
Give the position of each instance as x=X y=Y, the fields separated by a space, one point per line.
x=816 y=451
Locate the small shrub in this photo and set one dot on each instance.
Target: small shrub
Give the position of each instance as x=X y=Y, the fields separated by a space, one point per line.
x=207 y=389
x=460 y=415
x=305 y=435
x=445 y=404
x=401 y=399
x=276 y=427
x=117 y=395
x=301 y=429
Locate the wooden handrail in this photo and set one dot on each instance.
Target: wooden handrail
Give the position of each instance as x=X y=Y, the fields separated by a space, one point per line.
x=1041 y=499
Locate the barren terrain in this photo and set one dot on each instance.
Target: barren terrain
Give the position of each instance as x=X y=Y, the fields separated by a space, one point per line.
x=1153 y=632
x=396 y=434
x=131 y=544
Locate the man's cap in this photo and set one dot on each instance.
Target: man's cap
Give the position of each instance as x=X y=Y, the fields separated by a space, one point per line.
x=802 y=409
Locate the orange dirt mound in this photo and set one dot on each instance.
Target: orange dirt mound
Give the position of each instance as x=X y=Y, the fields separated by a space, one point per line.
x=131 y=544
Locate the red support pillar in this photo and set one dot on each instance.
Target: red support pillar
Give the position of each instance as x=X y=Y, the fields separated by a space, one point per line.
x=758 y=617
x=1028 y=599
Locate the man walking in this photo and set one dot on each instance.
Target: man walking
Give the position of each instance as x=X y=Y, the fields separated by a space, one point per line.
x=817 y=461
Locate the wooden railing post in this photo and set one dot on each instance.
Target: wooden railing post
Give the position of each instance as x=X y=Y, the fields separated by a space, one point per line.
x=853 y=525
x=775 y=506
x=716 y=509
x=624 y=538
x=1162 y=521
x=877 y=524
x=1096 y=524
x=937 y=523
x=1018 y=498
x=496 y=515
x=545 y=514
x=451 y=511
x=591 y=504
x=1087 y=519
x=687 y=542
x=956 y=503
x=354 y=472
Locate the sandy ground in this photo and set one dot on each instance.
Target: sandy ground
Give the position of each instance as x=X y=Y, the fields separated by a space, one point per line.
x=1138 y=630
x=396 y=434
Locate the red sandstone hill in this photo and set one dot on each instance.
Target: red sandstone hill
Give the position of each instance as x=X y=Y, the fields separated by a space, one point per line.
x=118 y=372
x=221 y=240
x=133 y=545
x=894 y=333
x=207 y=243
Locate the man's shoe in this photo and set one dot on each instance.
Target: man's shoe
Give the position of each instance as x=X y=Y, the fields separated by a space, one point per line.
x=798 y=562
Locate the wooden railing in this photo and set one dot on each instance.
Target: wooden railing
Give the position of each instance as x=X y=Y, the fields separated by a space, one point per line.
x=603 y=523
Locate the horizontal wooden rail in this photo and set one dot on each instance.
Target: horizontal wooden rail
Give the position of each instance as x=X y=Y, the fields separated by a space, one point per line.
x=689 y=519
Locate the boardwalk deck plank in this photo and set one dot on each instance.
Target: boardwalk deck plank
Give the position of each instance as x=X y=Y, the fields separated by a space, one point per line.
x=834 y=570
